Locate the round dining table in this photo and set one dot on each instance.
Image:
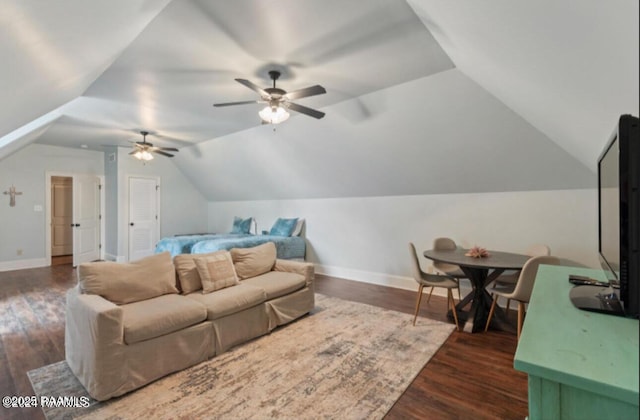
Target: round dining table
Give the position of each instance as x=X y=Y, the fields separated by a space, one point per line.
x=481 y=272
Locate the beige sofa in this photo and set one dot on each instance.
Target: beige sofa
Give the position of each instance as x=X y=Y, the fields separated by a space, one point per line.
x=130 y=324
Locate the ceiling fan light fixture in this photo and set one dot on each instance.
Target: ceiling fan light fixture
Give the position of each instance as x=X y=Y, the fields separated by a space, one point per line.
x=274 y=115
x=143 y=155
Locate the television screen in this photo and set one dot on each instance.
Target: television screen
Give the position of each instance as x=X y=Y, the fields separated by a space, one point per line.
x=610 y=208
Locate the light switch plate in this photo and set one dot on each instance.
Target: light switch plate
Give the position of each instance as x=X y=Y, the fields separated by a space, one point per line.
x=37 y=207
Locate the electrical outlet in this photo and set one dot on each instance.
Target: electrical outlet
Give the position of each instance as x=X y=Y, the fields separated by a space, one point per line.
x=19 y=252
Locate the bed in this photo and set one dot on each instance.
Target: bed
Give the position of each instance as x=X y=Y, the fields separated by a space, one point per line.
x=287 y=247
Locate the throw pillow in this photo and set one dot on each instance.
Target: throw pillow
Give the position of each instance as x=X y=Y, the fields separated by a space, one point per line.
x=188 y=277
x=283 y=227
x=241 y=225
x=251 y=262
x=122 y=283
x=298 y=229
x=216 y=271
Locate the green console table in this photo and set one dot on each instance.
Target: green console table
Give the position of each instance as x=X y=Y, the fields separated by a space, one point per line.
x=581 y=365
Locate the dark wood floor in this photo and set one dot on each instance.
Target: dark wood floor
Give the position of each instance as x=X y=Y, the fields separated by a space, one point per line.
x=471 y=376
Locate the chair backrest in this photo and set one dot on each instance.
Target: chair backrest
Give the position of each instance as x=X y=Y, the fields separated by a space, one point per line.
x=415 y=264
x=524 y=287
x=538 y=250
x=444 y=244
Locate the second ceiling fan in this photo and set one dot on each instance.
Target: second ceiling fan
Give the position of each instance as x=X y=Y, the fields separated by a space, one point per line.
x=279 y=100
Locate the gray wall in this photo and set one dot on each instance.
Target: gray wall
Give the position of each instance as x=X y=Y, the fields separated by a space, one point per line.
x=183 y=208
x=21 y=227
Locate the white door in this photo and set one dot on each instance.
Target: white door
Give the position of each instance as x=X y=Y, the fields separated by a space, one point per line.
x=143 y=217
x=86 y=219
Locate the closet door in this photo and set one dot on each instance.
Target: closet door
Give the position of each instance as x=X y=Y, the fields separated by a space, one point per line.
x=144 y=219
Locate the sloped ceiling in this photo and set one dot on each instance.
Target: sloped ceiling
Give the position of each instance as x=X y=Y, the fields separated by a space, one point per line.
x=52 y=51
x=543 y=77
x=569 y=67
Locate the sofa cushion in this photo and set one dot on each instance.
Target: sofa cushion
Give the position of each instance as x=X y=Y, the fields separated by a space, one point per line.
x=122 y=283
x=277 y=283
x=216 y=271
x=160 y=316
x=230 y=300
x=251 y=262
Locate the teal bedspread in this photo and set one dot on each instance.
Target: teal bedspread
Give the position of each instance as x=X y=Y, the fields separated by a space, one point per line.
x=177 y=245
x=287 y=247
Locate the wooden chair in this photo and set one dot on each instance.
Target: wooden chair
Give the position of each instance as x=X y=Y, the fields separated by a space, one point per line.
x=431 y=280
x=521 y=290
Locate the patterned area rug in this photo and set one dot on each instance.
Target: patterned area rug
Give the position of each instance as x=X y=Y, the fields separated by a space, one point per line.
x=344 y=360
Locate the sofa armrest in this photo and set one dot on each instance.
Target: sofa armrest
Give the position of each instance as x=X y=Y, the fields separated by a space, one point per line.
x=94 y=341
x=303 y=268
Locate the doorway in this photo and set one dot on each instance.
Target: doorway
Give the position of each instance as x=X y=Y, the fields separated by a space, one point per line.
x=74 y=205
x=61 y=220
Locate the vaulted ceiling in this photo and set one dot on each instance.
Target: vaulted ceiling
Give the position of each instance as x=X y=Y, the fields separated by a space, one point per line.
x=410 y=83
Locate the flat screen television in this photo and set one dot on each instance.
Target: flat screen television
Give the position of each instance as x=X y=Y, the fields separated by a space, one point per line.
x=619 y=211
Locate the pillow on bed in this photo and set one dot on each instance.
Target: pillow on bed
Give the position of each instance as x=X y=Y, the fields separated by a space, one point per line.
x=283 y=227
x=298 y=229
x=216 y=271
x=188 y=277
x=122 y=283
x=251 y=262
x=241 y=225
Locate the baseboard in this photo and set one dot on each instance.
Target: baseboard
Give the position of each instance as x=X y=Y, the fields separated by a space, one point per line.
x=116 y=258
x=23 y=264
x=399 y=282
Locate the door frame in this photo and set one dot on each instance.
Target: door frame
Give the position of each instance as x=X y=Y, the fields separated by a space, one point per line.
x=47 y=222
x=128 y=207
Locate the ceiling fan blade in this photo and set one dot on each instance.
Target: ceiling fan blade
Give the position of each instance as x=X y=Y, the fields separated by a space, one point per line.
x=168 y=149
x=160 y=152
x=305 y=110
x=133 y=152
x=254 y=87
x=238 y=103
x=303 y=93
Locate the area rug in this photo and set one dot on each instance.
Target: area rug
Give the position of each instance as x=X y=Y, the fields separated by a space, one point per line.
x=345 y=360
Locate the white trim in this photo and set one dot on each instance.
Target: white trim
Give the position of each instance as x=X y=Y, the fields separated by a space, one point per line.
x=23 y=264
x=116 y=258
x=398 y=282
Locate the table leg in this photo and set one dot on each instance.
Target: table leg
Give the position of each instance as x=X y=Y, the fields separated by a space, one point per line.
x=476 y=318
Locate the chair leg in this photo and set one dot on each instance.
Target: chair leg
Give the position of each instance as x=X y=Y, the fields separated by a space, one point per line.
x=418 y=298
x=429 y=297
x=508 y=304
x=520 y=317
x=493 y=308
x=459 y=298
x=453 y=308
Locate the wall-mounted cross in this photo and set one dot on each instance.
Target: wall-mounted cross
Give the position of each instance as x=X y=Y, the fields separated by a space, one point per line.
x=12 y=195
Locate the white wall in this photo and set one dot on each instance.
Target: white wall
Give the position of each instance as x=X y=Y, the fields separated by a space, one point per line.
x=22 y=227
x=366 y=238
